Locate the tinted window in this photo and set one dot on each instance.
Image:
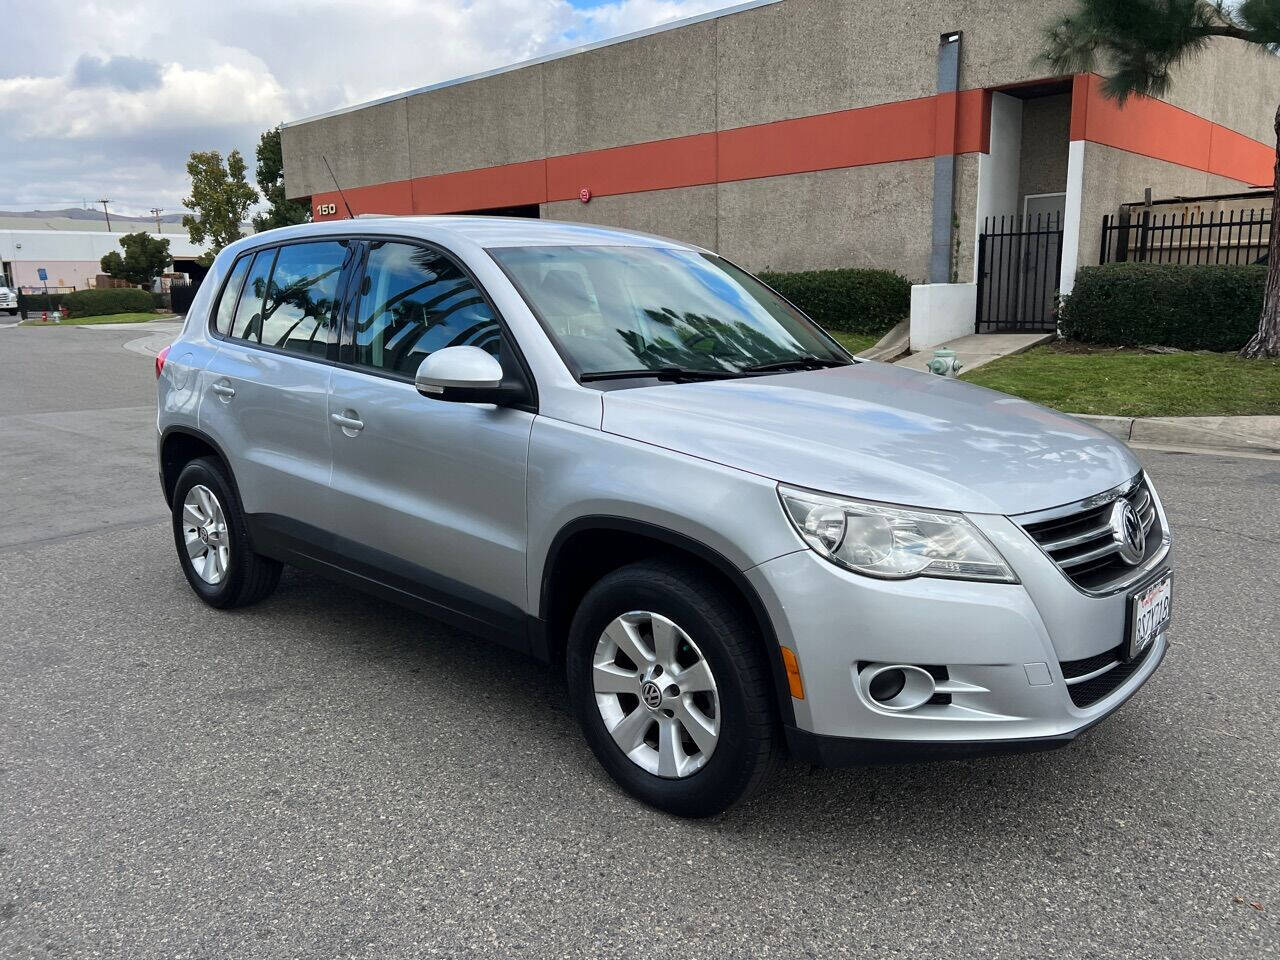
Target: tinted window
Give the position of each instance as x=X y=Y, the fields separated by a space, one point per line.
x=248 y=318
x=230 y=294
x=415 y=301
x=301 y=301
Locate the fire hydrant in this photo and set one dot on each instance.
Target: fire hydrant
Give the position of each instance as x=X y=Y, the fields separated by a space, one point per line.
x=944 y=363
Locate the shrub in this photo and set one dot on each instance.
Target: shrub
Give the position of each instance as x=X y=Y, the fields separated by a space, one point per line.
x=97 y=303
x=1204 y=307
x=852 y=301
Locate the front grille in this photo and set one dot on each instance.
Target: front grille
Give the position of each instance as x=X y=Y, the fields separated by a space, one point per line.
x=1080 y=542
x=1095 y=678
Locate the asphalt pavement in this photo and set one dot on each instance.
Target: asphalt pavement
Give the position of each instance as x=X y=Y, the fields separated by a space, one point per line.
x=327 y=776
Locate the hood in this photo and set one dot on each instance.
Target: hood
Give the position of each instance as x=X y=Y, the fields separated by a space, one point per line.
x=880 y=432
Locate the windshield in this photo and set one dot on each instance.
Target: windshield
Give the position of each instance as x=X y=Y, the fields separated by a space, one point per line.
x=635 y=309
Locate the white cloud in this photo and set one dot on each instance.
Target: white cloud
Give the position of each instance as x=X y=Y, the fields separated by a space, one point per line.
x=107 y=99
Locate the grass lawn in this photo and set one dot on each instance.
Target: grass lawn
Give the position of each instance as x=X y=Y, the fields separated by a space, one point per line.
x=855 y=342
x=33 y=319
x=1132 y=383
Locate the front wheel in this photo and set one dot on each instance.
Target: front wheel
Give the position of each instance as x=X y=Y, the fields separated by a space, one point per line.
x=670 y=686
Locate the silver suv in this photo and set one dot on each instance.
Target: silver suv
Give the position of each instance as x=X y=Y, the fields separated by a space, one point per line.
x=625 y=454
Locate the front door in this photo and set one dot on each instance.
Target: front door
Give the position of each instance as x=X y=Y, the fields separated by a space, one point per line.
x=429 y=495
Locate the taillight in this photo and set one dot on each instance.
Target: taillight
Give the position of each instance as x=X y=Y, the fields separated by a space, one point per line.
x=161 y=357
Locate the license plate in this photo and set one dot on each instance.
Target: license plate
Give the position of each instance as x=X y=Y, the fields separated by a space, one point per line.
x=1149 y=612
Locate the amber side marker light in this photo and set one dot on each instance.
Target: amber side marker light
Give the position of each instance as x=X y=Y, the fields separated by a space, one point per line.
x=793 y=673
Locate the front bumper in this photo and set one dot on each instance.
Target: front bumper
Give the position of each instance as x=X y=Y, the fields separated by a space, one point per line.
x=1001 y=647
x=827 y=751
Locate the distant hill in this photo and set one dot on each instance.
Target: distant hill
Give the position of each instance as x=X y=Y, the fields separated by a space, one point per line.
x=80 y=213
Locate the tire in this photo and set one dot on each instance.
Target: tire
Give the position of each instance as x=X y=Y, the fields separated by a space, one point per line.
x=710 y=626
x=240 y=577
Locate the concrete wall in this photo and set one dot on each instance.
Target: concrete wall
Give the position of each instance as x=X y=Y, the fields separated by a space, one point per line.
x=687 y=214
x=1046 y=130
x=873 y=216
x=1113 y=177
x=1233 y=84
x=488 y=122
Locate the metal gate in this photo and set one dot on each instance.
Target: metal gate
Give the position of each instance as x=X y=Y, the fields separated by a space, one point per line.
x=1019 y=270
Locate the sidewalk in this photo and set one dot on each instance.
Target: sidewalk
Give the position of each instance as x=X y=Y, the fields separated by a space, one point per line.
x=1254 y=434
x=978 y=349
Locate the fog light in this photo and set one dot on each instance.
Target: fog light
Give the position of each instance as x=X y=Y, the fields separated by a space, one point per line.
x=887 y=684
x=896 y=686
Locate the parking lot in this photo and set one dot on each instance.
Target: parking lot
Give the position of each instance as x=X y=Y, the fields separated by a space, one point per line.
x=325 y=775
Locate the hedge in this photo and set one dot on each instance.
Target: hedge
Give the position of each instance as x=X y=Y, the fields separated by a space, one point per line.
x=852 y=301
x=1206 y=307
x=97 y=303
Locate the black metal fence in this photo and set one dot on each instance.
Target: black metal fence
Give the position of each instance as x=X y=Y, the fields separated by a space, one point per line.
x=181 y=295
x=1019 y=270
x=1222 y=237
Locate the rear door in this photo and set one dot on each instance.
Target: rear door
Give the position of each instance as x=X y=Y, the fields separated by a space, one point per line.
x=267 y=386
x=429 y=495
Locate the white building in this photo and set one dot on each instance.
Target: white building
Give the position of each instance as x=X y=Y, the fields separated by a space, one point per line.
x=72 y=258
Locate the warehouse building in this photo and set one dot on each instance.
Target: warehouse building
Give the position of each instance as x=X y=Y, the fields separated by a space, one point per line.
x=803 y=134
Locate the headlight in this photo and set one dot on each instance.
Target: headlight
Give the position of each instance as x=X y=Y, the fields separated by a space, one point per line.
x=893 y=543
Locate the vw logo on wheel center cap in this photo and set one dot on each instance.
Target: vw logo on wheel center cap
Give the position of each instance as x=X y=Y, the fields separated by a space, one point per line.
x=651 y=694
x=1127 y=532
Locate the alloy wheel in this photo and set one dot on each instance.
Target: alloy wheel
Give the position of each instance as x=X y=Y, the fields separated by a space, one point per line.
x=656 y=694
x=204 y=532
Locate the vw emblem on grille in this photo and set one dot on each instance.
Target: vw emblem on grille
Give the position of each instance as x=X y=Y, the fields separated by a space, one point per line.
x=651 y=695
x=1127 y=532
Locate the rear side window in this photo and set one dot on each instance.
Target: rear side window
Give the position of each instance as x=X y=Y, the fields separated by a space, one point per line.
x=230 y=294
x=301 y=301
x=247 y=323
x=289 y=298
x=415 y=301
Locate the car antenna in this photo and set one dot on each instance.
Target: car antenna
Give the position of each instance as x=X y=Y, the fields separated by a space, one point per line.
x=350 y=215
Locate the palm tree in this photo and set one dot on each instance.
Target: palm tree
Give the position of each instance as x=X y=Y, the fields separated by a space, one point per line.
x=1136 y=43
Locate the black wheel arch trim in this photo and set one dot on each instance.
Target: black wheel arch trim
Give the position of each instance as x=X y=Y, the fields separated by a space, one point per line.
x=680 y=541
x=204 y=438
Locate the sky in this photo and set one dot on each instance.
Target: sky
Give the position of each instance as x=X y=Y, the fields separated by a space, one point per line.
x=108 y=99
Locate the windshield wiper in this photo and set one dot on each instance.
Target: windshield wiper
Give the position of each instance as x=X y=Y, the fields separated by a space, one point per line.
x=675 y=374
x=795 y=363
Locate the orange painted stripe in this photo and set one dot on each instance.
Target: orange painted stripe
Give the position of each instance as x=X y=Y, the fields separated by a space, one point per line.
x=886 y=133
x=907 y=130
x=508 y=185
x=1153 y=128
x=657 y=165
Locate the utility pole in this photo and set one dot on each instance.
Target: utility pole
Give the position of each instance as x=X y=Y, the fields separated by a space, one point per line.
x=155 y=212
x=106 y=213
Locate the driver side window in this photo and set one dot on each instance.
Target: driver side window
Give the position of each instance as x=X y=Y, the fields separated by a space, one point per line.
x=413 y=302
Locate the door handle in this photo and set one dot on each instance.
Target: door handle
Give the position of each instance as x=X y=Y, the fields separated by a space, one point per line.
x=347 y=422
x=224 y=390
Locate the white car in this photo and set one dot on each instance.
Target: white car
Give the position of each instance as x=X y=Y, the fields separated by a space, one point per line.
x=8 y=301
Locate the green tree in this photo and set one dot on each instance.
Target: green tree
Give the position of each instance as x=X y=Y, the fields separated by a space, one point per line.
x=1136 y=44
x=145 y=258
x=281 y=211
x=220 y=198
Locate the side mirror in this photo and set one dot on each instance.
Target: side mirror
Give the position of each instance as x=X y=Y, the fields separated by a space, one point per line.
x=465 y=375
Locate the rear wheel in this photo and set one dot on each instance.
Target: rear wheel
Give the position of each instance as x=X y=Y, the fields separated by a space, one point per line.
x=668 y=682
x=212 y=539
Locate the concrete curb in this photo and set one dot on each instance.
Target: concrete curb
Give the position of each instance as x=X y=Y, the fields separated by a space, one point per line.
x=1254 y=434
